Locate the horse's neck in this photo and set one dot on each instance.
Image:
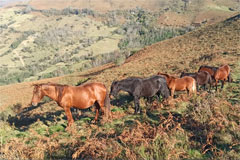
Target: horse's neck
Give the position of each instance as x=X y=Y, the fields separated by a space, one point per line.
x=171 y=80
x=125 y=87
x=50 y=92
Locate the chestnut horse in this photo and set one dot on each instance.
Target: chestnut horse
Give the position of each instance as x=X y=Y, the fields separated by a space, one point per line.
x=210 y=69
x=81 y=97
x=180 y=84
x=223 y=74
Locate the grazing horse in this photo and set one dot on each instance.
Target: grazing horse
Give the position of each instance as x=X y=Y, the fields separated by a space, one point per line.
x=81 y=97
x=202 y=78
x=179 y=84
x=211 y=70
x=141 y=87
x=223 y=74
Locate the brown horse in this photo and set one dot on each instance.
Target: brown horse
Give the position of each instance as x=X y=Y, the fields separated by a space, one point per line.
x=202 y=78
x=223 y=74
x=180 y=84
x=210 y=69
x=81 y=97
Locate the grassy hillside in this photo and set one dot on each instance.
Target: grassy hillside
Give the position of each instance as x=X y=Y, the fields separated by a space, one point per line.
x=204 y=126
x=39 y=44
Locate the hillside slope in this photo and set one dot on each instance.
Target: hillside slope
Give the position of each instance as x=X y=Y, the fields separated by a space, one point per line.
x=215 y=45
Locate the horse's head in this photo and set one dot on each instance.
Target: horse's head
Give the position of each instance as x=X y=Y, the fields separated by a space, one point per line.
x=37 y=94
x=114 y=89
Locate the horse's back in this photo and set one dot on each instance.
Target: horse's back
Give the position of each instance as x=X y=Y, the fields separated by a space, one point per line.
x=150 y=86
x=222 y=73
x=209 y=70
x=86 y=95
x=185 y=79
x=203 y=76
x=184 y=82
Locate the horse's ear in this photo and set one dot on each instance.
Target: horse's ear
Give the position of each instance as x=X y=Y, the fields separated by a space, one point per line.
x=114 y=82
x=33 y=85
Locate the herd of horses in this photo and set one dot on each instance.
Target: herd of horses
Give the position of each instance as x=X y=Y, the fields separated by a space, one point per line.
x=86 y=95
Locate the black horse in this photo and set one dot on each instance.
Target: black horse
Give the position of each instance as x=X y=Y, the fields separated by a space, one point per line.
x=141 y=87
x=202 y=78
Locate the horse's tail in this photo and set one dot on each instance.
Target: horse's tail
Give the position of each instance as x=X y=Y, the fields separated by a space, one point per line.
x=210 y=81
x=230 y=77
x=107 y=104
x=194 y=86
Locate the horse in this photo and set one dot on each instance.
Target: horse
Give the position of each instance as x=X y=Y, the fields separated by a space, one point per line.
x=223 y=74
x=210 y=69
x=180 y=84
x=202 y=78
x=81 y=97
x=141 y=87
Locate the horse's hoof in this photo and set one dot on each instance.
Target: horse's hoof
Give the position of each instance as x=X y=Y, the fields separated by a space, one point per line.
x=94 y=121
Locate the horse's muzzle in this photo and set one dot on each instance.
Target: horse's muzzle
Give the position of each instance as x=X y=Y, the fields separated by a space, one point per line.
x=111 y=96
x=34 y=104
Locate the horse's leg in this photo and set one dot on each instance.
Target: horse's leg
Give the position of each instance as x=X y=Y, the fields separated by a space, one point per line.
x=216 y=84
x=188 y=90
x=136 y=103
x=97 y=111
x=103 y=108
x=172 y=92
x=210 y=86
x=204 y=86
x=69 y=115
x=223 y=81
x=172 y=89
x=197 y=85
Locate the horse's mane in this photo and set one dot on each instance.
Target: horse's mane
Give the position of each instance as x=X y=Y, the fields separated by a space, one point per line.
x=54 y=84
x=59 y=88
x=164 y=74
x=211 y=67
x=168 y=77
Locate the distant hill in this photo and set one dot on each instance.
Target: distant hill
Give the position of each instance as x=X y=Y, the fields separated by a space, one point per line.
x=7 y=2
x=185 y=11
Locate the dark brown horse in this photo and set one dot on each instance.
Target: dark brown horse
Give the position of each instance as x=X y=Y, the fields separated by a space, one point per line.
x=202 y=78
x=180 y=84
x=141 y=87
x=81 y=97
x=223 y=74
